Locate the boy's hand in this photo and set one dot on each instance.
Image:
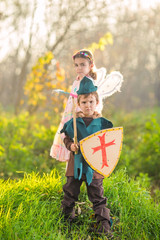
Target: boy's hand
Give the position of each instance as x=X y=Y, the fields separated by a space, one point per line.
x=80 y=76
x=74 y=147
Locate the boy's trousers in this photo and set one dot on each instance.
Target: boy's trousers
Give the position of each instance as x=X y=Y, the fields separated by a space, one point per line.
x=95 y=194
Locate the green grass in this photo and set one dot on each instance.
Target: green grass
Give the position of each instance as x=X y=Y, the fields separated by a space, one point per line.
x=30 y=209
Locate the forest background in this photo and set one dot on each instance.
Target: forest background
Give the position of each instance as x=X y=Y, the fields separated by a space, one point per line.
x=37 y=41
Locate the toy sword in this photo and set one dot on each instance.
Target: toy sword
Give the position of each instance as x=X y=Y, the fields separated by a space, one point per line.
x=74 y=114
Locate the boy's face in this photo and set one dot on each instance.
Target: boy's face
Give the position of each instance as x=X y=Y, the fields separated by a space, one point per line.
x=88 y=105
x=82 y=66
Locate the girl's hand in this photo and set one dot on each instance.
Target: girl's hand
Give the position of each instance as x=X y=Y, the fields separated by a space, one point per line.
x=74 y=147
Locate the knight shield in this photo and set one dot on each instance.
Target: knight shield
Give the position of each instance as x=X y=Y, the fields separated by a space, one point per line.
x=102 y=149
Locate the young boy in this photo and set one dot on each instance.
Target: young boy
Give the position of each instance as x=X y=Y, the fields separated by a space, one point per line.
x=88 y=122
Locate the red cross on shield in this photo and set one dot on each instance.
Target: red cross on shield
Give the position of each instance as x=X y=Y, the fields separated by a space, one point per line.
x=102 y=149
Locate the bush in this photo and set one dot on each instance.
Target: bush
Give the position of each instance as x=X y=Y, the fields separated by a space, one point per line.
x=24 y=145
x=148 y=154
x=141 y=146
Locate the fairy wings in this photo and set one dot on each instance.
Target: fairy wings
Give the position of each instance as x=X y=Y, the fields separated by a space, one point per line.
x=108 y=84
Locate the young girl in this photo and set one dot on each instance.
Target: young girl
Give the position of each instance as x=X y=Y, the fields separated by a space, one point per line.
x=84 y=66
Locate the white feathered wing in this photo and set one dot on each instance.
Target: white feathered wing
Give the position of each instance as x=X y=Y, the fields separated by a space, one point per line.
x=107 y=85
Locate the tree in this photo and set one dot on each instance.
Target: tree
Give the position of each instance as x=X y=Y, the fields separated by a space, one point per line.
x=34 y=28
x=62 y=26
x=135 y=53
x=41 y=81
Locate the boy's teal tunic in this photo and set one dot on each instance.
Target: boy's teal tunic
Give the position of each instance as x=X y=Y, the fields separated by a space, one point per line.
x=80 y=165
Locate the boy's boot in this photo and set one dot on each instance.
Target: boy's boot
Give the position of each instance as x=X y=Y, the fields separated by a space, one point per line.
x=69 y=214
x=104 y=227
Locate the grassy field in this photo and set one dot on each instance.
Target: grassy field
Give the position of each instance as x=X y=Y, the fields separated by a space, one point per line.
x=30 y=204
x=30 y=209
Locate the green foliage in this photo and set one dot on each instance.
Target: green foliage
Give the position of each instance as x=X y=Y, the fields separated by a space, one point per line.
x=141 y=145
x=30 y=209
x=148 y=154
x=24 y=145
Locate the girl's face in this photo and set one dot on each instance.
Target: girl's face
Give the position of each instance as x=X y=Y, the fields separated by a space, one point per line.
x=82 y=67
x=88 y=104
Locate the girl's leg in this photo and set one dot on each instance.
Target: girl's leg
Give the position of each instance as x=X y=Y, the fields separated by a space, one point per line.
x=71 y=191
